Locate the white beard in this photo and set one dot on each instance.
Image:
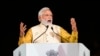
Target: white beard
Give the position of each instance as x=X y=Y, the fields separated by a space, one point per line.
x=45 y=22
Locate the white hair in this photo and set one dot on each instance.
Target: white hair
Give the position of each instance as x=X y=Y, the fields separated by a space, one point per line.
x=42 y=10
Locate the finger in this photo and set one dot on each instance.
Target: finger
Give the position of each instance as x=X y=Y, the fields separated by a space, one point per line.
x=73 y=25
x=21 y=24
x=74 y=28
x=72 y=19
x=24 y=27
x=73 y=22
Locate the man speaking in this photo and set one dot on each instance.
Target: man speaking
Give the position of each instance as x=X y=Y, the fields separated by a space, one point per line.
x=46 y=31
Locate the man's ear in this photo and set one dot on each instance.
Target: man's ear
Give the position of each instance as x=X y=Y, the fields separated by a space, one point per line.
x=39 y=18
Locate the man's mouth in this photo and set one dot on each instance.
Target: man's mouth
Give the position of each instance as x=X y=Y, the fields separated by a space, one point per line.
x=49 y=20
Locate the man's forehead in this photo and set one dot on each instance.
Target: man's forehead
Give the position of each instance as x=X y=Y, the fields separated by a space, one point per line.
x=47 y=11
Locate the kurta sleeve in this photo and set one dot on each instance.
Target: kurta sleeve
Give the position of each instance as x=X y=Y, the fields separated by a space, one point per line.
x=67 y=37
x=27 y=38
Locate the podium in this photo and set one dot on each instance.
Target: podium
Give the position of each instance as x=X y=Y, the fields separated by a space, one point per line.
x=52 y=49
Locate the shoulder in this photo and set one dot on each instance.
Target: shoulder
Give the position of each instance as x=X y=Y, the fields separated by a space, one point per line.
x=35 y=27
x=56 y=26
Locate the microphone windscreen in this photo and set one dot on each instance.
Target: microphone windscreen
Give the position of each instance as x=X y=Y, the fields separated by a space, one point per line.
x=52 y=28
x=47 y=26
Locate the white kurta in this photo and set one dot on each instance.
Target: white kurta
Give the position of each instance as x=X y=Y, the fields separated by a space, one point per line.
x=48 y=37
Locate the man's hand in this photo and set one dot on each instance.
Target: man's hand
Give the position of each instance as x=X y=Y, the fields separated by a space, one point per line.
x=22 y=29
x=73 y=24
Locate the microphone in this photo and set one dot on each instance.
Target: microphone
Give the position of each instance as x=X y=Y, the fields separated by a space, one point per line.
x=59 y=35
x=41 y=34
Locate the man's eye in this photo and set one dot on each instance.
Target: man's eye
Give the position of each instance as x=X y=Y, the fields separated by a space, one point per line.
x=46 y=15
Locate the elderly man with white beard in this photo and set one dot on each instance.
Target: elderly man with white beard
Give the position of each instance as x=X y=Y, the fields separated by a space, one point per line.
x=46 y=31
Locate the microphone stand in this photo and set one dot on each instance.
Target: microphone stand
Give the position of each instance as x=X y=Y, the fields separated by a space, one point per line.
x=41 y=34
x=59 y=35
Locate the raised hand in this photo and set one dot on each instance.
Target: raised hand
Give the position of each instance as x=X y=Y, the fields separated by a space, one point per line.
x=73 y=24
x=22 y=29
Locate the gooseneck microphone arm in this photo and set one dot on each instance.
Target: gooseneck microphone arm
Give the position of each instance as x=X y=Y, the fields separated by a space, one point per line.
x=41 y=34
x=59 y=35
